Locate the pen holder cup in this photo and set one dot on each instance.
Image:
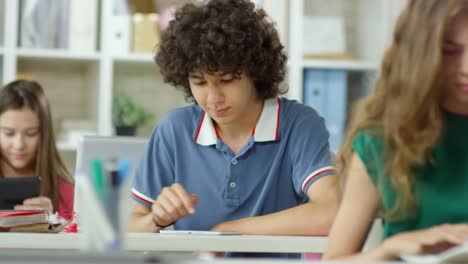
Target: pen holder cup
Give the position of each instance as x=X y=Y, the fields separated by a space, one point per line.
x=102 y=217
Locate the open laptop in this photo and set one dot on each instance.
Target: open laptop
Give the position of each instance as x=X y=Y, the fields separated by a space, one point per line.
x=103 y=148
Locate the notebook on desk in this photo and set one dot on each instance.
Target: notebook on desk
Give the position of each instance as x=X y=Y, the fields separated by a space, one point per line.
x=458 y=254
x=10 y=218
x=35 y=221
x=198 y=232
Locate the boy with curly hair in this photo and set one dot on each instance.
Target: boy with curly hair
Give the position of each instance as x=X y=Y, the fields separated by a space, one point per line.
x=240 y=158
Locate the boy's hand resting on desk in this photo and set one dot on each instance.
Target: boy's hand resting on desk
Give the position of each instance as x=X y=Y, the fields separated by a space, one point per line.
x=36 y=203
x=173 y=203
x=427 y=241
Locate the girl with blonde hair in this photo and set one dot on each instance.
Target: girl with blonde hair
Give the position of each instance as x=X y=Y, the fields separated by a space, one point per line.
x=405 y=157
x=27 y=147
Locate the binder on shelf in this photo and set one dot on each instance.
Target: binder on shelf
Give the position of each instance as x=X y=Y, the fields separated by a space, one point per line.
x=315 y=82
x=82 y=25
x=63 y=24
x=336 y=106
x=326 y=92
x=44 y=24
x=120 y=34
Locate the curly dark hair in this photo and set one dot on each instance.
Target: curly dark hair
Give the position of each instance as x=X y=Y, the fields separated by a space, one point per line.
x=226 y=36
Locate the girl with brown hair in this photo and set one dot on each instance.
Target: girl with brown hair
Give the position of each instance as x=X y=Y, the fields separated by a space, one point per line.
x=405 y=157
x=27 y=147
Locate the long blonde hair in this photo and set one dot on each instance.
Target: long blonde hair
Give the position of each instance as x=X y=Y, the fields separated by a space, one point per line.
x=405 y=103
x=49 y=165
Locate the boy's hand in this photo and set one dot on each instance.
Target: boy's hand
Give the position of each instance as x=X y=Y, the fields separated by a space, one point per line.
x=173 y=203
x=36 y=203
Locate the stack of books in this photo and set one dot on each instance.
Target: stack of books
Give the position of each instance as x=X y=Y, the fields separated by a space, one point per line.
x=26 y=221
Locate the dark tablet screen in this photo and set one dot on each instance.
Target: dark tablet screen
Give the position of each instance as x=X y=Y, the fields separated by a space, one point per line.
x=14 y=190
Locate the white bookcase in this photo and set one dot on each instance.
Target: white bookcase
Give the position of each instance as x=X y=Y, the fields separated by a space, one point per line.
x=368 y=26
x=80 y=85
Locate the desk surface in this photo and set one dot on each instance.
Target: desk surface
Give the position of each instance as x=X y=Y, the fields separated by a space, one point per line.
x=158 y=242
x=72 y=257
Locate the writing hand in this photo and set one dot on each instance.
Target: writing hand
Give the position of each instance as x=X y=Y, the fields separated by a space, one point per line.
x=173 y=203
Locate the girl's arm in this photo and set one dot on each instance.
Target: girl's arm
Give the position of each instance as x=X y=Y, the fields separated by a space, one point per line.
x=356 y=214
x=358 y=208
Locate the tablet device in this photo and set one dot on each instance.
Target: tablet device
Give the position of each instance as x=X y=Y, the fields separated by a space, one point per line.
x=198 y=232
x=14 y=191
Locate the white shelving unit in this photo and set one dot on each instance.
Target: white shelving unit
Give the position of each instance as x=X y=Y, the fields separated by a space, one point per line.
x=48 y=54
x=80 y=85
x=341 y=64
x=368 y=25
x=134 y=58
x=336 y=78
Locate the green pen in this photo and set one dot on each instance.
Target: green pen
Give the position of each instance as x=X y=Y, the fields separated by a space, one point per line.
x=98 y=179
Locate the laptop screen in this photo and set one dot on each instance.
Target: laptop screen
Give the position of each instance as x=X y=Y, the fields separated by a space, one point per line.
x=104 y=148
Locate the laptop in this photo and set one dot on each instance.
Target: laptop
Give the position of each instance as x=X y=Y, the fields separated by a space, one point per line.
x=104 y=148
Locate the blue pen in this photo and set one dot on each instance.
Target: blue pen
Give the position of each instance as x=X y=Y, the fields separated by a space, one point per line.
x=124 y=168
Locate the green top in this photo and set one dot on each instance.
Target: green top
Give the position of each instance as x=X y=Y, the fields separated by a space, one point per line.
x=441 y=187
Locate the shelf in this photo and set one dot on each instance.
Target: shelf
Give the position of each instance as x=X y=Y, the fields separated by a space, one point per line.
x=341 y=65
x=135 y=58
x=66 y=146
x=58 y=54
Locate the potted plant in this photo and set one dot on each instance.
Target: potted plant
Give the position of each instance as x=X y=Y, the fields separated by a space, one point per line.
x=127 y=115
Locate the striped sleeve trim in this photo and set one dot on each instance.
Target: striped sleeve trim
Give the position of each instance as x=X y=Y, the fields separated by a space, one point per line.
x=316 y=174
x=142 y=197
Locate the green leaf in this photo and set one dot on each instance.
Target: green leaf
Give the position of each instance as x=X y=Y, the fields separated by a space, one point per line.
x=126 y=112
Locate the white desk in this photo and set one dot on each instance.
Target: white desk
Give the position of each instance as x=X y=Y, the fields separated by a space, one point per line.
x=50 y=257
x=158 y=242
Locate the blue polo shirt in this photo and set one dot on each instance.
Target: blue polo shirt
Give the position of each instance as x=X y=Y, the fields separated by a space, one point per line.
x=288 y=151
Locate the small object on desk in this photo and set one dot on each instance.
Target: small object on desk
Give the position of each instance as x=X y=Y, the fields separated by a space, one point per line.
x=10 y=218
x=28 y=221
x=198 y=232
x=72 y=228
x=458 y=254
x=14 y=191
x=102 y=219
x=38 y=228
